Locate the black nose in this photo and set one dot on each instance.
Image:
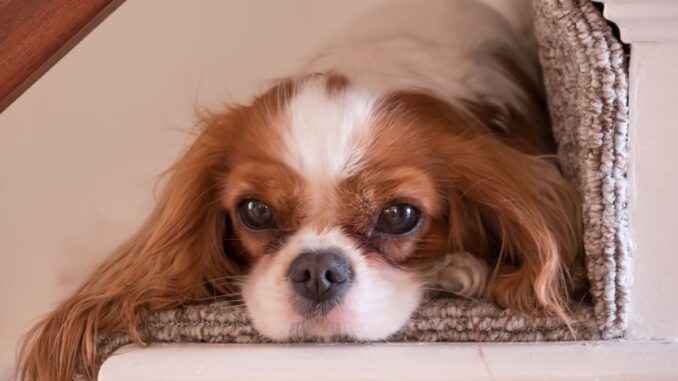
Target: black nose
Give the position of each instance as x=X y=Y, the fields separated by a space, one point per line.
x=320 y=276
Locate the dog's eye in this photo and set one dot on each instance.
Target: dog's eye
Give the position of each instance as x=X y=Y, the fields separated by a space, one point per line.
x=398 y=219
x=256 y=215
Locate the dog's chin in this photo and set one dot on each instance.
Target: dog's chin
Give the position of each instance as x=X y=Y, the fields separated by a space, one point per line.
x=337 y=325
x=321 y=328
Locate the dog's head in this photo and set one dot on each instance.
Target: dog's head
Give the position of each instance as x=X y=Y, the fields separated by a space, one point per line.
x=328 y=205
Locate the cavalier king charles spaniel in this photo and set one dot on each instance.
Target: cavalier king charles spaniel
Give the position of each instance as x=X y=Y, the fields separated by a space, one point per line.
x=412 y=156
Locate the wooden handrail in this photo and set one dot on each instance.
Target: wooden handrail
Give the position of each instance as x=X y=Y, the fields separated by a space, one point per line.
x=35 y=34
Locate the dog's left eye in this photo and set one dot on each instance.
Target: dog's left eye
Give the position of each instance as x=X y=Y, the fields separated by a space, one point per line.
x=398 y=219
x=256 y=214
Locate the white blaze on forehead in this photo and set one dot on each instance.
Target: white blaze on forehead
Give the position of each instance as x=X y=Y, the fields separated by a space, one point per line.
x=327 y=136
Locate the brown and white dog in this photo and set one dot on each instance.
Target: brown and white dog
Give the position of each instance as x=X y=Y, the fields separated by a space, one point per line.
x=410 y=156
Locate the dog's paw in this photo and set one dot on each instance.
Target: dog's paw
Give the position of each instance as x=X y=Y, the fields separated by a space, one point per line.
x=462 y=273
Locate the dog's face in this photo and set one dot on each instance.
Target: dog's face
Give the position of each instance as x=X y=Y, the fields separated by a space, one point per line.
x=338 y=202
x=332 y=200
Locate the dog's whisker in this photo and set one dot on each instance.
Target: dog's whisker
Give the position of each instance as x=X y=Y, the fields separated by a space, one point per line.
x=452 y=293
x=225 y=280
x=236 y=277
x=237 y=305
x=216 y=298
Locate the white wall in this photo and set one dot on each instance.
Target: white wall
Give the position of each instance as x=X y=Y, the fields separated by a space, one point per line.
x=654 y=217
x=81 y=149
x=651 y=27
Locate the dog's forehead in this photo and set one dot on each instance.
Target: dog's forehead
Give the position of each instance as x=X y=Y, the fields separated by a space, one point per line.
x=327 y=131
x=323 y=132
x=324 y=128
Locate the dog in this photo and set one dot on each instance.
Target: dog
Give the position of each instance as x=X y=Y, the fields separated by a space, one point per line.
x=412 y=156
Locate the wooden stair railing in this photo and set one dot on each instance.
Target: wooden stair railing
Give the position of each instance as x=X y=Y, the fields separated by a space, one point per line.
x=35 y=34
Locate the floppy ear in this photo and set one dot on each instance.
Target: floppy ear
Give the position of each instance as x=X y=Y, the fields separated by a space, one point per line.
x=176 y=257
x=519 y=212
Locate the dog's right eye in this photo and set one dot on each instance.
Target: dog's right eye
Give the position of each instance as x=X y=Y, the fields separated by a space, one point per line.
x=397 y=219
x=256 y=215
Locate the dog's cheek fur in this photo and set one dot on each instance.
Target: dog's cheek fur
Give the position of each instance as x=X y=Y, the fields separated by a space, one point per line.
x=381 y=300
x=509 y=206
x=268 y=296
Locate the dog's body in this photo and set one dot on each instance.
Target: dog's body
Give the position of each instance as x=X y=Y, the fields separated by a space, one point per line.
x=457 y=51
x=405 y=158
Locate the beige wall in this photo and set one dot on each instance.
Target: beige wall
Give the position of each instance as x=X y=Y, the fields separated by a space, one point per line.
x=81 y=149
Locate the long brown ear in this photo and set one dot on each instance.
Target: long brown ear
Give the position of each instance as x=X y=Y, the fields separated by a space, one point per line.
x=176 y=257
x=519 y=212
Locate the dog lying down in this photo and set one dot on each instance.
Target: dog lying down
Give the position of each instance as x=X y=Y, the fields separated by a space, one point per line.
x=412 y=156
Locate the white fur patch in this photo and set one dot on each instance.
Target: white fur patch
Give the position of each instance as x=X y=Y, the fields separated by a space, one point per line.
x=326 y=134
x=326 y=138
x=446 y=48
